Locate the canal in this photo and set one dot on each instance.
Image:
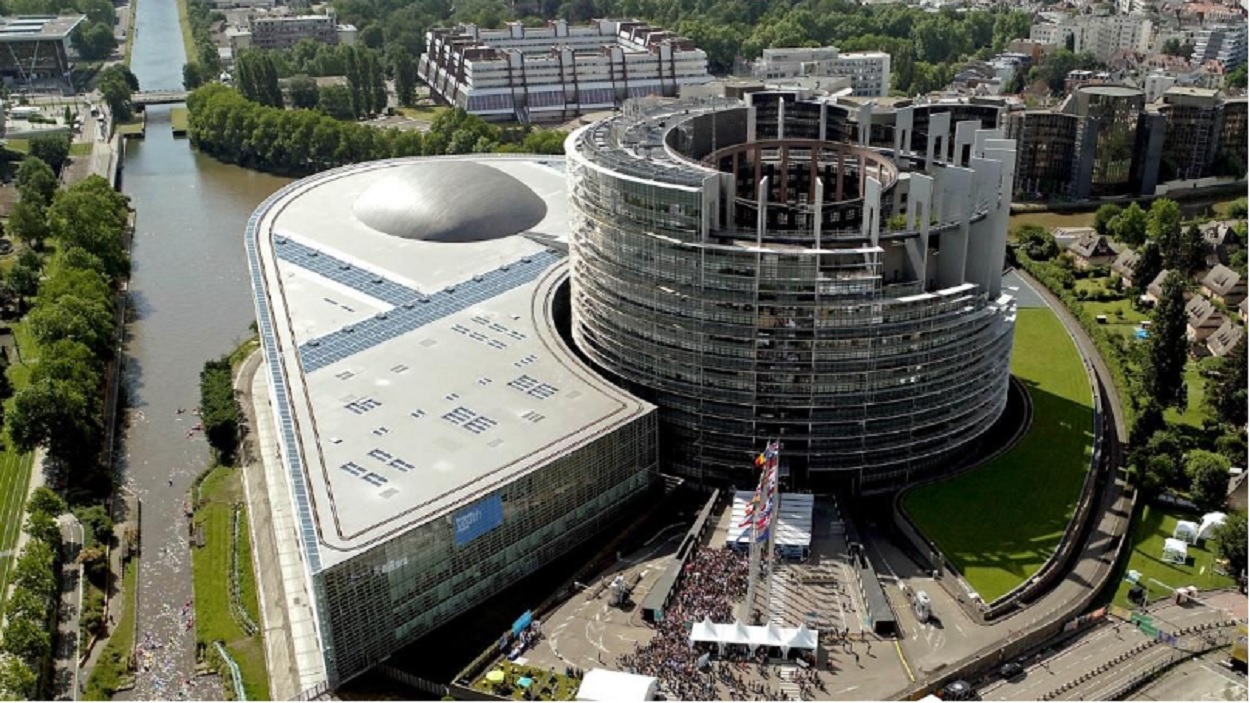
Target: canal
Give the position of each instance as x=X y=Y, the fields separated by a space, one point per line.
x=190 y=302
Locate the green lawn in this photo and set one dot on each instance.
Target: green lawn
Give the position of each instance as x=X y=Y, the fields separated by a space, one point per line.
x=999 y=523
x=113 y=668
x=1155 y=525
x=1196 y=410
x=565 y=687
x=178 y=118
x=14 y=479
x=134 y=126
x=210 y=565
x=1051 y=220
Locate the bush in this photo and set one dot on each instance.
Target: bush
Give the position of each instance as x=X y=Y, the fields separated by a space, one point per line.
x=97 y=525
x=92 y=614
x=219 y=409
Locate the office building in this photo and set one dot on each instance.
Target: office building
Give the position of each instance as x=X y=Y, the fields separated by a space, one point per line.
x=556 y=72
x=34 y=47
x=436 y=440
x=868 y=71
x=1047 y=147
x=758 y=271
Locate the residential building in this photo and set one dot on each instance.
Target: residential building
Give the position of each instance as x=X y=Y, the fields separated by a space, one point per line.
x=1202 y=319
x=1091 y=249
x=869 y=71
x=1225 y=339
x=434 y=441
x=1225 y=43
x=1220 y=237
x=1100 y=36
x=1154 y=290
x=1125 y=266
x=1225 y=285
x=37 y=46
x=733 y=277
x=285 y=31
x=556 y=72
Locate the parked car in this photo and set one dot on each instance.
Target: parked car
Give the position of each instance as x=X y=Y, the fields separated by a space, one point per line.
x=958 y=691
x=1011 y=670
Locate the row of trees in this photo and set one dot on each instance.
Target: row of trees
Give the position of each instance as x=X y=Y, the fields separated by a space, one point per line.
x=27 y=644
x=219 y=409
x=257 y=77
x=72 y=322
x=233 y=129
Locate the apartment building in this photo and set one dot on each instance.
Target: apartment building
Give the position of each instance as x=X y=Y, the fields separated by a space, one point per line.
x=556 y=72
x=1100 y=36
x=285 y=31
x=1224 y=43
x=869 y=71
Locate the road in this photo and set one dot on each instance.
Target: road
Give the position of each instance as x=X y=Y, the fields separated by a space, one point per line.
x=65 y=674
x=1121 y=649
x=1201 y=679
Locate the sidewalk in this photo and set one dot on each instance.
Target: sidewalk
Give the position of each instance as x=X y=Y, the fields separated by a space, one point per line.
x=37 y=479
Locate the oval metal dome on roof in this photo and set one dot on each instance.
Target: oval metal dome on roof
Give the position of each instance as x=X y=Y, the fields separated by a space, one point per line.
x=449 y=201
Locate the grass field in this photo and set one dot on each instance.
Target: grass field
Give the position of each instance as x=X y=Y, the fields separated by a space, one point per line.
x=564 y=687
x=14 y=479
x=999 y=523
x=112 y=670
x=1155 y=525
x=178 y=119
x=219 y=492
x=1196 y=410
x=136 y=126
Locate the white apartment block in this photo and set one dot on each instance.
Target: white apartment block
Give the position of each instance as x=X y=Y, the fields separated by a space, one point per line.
x=1100 y=36
x=1224 y=43
x=869 y=71
x=556 y=72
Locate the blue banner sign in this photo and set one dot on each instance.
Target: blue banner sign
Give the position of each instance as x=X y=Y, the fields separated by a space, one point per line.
x=477 y=519
x=523 y=622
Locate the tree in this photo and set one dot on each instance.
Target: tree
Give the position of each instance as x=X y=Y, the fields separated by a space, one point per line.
x=45 y=500
x=336 y=101
x=1208 y=476
x=34 y=570
x=94 y=42
x=303 y=92
x=1148 y=266
x=405 y=68
x=1236 y=79
x=1036 y=242
x=193 y=75
x=1129 y=226
x=1104 y=216
x=17 y=681
x=57 y=415
x=28 y=221
x=71 y=317
x=27 y=639
x=97 y=520
x=52 y=149
x=117 y=86
x=1176 y=47
x=219 y=409
x=1164 y=227
x=1193 y=250
x=43 y=526
x=1230 y=541
x=97 y=11
x=36 y=181
x=1226 y=387
x=1168 y=350
x=93 y=216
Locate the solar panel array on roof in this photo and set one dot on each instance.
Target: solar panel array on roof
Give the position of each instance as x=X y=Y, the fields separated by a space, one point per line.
x=372 y=284
x=412 y=314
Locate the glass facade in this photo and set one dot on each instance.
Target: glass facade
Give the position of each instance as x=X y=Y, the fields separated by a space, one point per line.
x=862 y=368
x=401 y=589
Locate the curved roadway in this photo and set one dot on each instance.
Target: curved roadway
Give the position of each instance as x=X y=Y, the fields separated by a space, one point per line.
x=1111 y=515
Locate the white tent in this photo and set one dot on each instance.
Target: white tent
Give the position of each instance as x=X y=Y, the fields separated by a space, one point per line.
x=1210 y=521
x=1187 y=531
x=608 y=685
x=754 y=636
x=794 y=522
x=1175 y=551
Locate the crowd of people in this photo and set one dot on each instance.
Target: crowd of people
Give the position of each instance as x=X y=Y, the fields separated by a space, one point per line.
x=712 y=581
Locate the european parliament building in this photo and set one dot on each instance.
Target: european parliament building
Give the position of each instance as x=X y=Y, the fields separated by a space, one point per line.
x=759 y=272
x=732 y=272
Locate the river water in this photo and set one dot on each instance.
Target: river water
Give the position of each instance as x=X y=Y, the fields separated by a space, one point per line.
x=191 y=302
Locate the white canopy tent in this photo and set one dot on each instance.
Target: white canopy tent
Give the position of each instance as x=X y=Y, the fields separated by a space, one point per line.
x=1175 y=551
x=1210 y=521
x=1187 y=531
x=754 y=636
x=608 y=685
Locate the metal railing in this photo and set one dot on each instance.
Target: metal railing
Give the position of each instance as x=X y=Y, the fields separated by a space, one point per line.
x=236 y=677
